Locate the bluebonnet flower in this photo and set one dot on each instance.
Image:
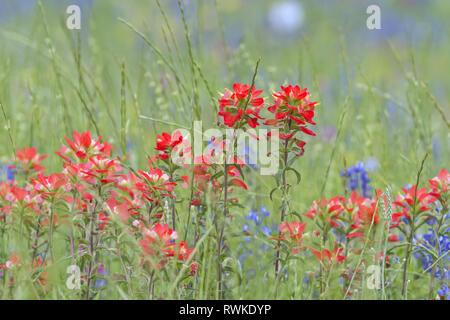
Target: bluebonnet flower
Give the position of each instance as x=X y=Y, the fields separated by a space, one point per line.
x=245 y=255
x=444 y=292
x=428 y=240
x=357 y=179
x=255 y=227
x=258 y=216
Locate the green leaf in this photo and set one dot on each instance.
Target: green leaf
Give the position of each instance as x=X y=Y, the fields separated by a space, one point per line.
x=217 y=175
x=272 y=191
x=297 y=174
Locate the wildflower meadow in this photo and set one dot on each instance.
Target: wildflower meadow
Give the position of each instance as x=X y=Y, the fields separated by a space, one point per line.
x=224 y=150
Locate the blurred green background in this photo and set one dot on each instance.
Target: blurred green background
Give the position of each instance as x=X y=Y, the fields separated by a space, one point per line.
x=323 y=45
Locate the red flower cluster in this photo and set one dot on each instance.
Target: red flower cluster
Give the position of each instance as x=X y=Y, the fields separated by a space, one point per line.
x=236 y=105
x=425 y=197
x=166 y=144
x=350 y=217
x=439 y=184
x=293 y=112
x=91 y=189
x=293 y=103
x=29 y=159
x=292 y=233
x=83 y=147
x=332 y=257
x=328 y=211
x=159 y=243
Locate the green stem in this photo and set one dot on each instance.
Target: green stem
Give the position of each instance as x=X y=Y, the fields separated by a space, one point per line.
x=413 y=229
x=284 y=200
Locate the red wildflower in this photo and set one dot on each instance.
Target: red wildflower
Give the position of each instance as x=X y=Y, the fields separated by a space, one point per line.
x=293 y=111
x=30 y=159
x=365 y=212
x=328 y=211
x=48 y=186
x=233 y=106
x=84 y=147
x=181 y=251
x=440 y=183
x=155 y=184
x=238 y=183
x=166 y=144
x=155 y=242
x=293 y=103
x=333 y=258
x=406 y=202
x=293 y=233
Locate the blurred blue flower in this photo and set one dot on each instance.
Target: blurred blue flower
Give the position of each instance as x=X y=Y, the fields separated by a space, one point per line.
x=6 y=172
x=266 y=230
x=436 y=148
x=371 y=164
x=357 y=179
x=101 y=283
x=255 y=228
x=286 y=17
x=444 y=292
x=258 y=216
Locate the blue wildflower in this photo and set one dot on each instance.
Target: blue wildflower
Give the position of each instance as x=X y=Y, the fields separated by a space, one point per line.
x=371 y=164
x=357 y=179
x=286 y=17
x=266 y=230
x=255 y=227
x=257 y=217
x=444 y=292
x=7 y=172
x=428 y=241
